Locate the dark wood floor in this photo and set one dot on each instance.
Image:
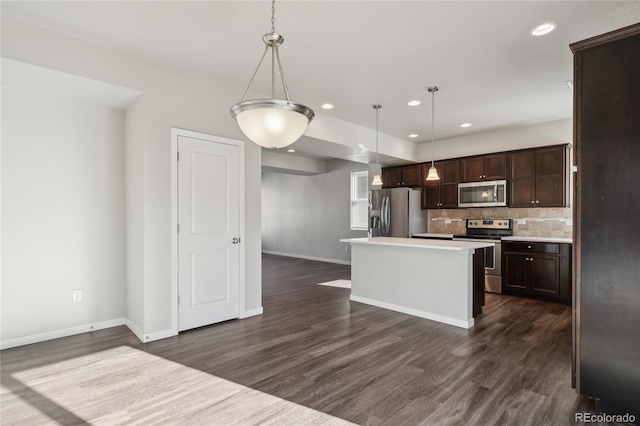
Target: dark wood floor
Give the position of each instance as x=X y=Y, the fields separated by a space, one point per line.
x=360 y=363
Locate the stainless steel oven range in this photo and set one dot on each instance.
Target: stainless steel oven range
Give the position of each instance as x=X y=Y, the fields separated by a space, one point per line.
x=489 y=230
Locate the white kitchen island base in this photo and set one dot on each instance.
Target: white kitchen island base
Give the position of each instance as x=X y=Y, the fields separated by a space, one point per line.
x=426 y=278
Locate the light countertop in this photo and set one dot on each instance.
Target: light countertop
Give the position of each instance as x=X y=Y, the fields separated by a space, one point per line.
x=420 y=243
x=433 y=235
x=540 y=239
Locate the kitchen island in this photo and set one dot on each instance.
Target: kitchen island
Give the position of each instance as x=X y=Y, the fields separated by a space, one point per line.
x=434 y=279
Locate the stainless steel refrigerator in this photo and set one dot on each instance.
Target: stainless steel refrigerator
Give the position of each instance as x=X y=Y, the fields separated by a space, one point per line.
x=396 y=212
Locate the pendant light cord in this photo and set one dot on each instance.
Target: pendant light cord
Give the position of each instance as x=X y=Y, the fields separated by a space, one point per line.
x=377 y=108
x=273 y=16
x=377 y=162
x=433 y=90
x=433 y=149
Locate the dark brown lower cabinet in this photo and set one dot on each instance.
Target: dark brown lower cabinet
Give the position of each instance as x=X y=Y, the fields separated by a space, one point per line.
x=540 y=270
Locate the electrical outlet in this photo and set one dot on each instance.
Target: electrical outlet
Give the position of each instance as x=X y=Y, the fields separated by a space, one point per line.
x=275 y=242
x=447 y=221
x=522 y=222
x=76 y=295
x=346 y=248
x=569 y=222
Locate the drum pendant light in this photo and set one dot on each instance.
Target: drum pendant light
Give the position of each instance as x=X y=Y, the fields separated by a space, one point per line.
x=377 y=180
x=272 y=123
x=433 y=172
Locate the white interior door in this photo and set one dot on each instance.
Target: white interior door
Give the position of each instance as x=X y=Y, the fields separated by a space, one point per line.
x=208 y=238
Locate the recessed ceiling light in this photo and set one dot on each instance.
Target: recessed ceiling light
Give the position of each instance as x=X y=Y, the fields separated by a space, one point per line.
x=413 y=135
x=413 y=102
x=465 y=125
x=291 y=150
x=543 y=29
x=326 y=106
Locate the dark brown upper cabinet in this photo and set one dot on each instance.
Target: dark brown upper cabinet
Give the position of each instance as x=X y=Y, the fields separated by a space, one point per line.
x=412 y=175
x=401 y=176
x=443 y=193
x=537 y=177
x=391 y=177
x=483 y=167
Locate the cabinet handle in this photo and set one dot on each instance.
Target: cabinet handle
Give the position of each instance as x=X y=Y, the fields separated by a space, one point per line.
x=533 y=202
x=528 y=246
x=537 y=202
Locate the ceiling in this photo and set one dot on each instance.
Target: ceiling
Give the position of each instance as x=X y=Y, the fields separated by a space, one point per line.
x=490 y=70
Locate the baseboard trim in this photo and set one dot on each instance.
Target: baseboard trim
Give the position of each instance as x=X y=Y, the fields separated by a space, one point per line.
x=162 y=334
x=134 y=329
x=251 y=313
x=150 y=337
x=302 y=256
x=415 y=312
x=65 y=332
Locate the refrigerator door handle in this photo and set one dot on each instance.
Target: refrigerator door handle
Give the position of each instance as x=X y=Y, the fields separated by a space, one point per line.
x=384 y=216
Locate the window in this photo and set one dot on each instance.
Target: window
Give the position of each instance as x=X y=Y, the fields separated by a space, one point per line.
x=359 y=199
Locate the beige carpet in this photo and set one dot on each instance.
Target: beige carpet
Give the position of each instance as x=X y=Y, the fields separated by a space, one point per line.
x=338 y=283
x=125 y=386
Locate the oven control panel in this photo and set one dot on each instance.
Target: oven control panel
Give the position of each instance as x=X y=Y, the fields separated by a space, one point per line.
x=489 y=223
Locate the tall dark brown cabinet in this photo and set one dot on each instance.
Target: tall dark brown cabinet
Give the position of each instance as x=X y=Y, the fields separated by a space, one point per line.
x=607 y=217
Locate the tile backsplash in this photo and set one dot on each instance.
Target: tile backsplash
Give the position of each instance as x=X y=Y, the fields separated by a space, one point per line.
x=538 y=222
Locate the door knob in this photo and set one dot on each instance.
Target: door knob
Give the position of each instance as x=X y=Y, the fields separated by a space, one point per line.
x=235 y=240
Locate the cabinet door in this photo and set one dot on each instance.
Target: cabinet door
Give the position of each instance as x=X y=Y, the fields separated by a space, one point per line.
x=471 y=169
x=411 y=176
x=391 y=177
x=448 y=171
x=449 y=196
x=544 y=274
x=515 y=272
x=431 y=195
x=425 y=172
x=522 y=178
x=550 y=177
x=495 y=166
x=450 y=174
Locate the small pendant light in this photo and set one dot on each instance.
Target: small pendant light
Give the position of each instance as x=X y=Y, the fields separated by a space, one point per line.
x=433 y=173
x=377 y=180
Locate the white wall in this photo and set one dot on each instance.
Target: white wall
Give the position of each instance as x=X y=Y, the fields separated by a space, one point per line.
x=170 y=98
x=305 y=216
x=555 y=132
x=63 y=213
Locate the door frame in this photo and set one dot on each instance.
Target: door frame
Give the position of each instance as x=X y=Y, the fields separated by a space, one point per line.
x=175 y=134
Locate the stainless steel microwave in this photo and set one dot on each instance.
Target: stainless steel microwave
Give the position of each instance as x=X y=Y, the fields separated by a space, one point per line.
x=483 y=194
